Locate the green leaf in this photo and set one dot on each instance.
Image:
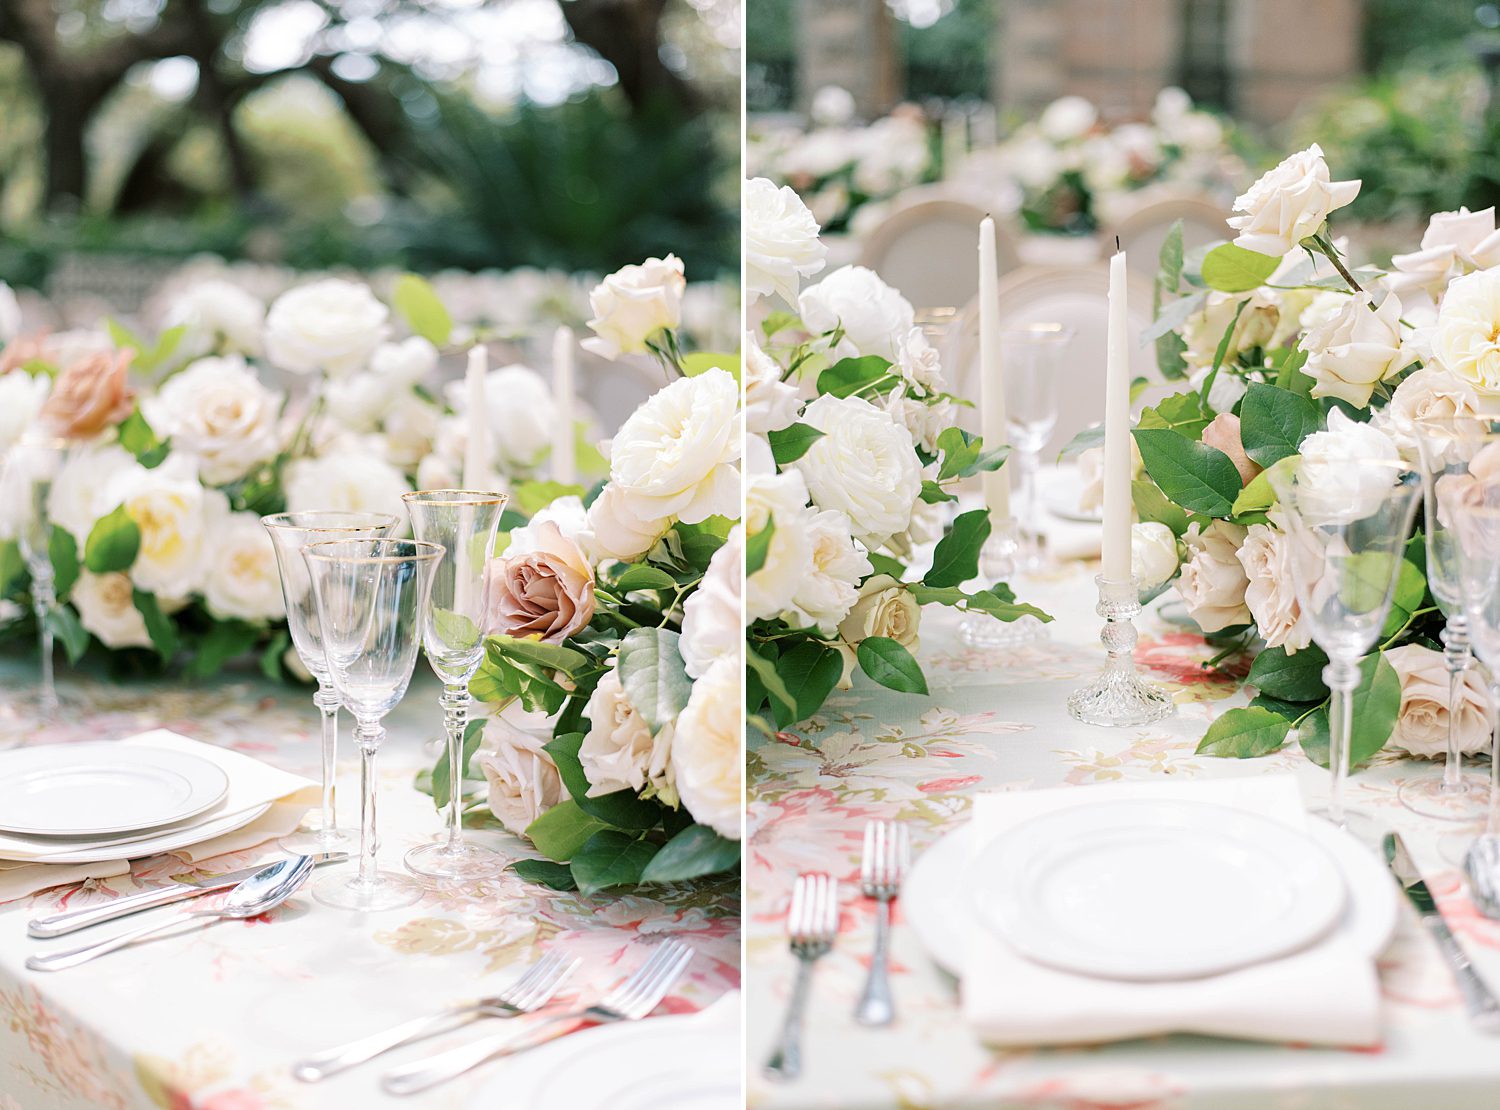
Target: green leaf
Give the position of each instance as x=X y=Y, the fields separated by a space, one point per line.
x=137 y=437
x=851 y=375
x=1170 y=344
x=758 y=546
x=765 y=670
x=790 y=443
x=934 y=494
x=113 y=543
x=121 y=336
x=62 y=551
x=1257 y=496
x=1410 y=592
x=694 y=852
x=563 y=830
x=810 y=670
x=621 y=809
x=270 y=658
x=955 y=560
x=499 y=678
x=442 y=780
x=533 y=497
x=545 y=872
x=457 y=631
x=890 y=664
x=1092 y=436
x=1195 y=476
x=224 y=641
x=554 y=657
x=777 y=322
x=964 y=454
x=701 y=362
x=67 y=628
x=1291 y=710
x=1289 y=375
x=1183 y=413
x=1245 y=733
x=422 y=310
x=13 y=565
x=640 y=576
x=1169 y=260
x=611 y=858
x=1376 y=702
x=159 y=626
x=1295 y=677
x=1274 y=422
x=702 y=540
x=654 y=676
x=997 y=602
x=1232 y=269
x=1152 y=504
x=885 y=564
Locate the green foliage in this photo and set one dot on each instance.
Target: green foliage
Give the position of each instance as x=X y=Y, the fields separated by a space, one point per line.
x=113 y=542
x=653 y=675
x=790 y=443
x=1244 y=733
x=889 y=663
x=417 y=302
x=1199 y=478
x=1232 y=269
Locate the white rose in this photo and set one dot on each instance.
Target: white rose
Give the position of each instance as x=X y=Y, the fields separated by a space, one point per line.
x=217 y=317
x=410 y=430
x=330 y=326
x=633 y=304
x=351 y=480
x=1467 y=338
x=832 y=106
x=1351 y=353
x=180 y=522
x=218 y=410
x=884 y=608
x=243 y=582
x=1334 y=482
x=829 y=589
x=83 y=490
x=674 y=456
x=1431 y=396
x=521 y=412
x=864 y=465
x=875 y=317
x=406 y=362
x=1289 y=203
x=21 y=397
x=616 y=532
x=439 y=470
x=106 y=607
x=619 y=752
x=1259 y=325
x=780 y=240
x=1422 y=721
x=711 y=617
x=925 y=420
x=1213 y=581
x=919 y=362
x=1153 y=554
x=1068 y=117
x=1454 y=243
x=1272 y=560
x=10 y=314
x=706 y=758
x=770 y=403
x=779 y=499
x=523 y=779
x=567 y=513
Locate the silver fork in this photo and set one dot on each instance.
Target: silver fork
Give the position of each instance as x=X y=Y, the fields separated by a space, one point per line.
x=887 y=850
x=630 y=1001
x=811 y=924
x=530 y=992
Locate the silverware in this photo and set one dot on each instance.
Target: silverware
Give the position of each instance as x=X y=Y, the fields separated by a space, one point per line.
x=1482 y=865
x=262 y=891
x=179 y=889
x=811 y=924
x=531 y=992
x=630 y=1001
x=886 y=856
x=1484 y=1009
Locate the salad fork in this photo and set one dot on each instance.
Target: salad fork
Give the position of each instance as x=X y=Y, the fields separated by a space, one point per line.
x=812 y=923
x=632 y=1000
x=531 y=992
x=886 y=856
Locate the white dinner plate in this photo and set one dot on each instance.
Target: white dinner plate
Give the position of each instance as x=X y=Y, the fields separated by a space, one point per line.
x=103 y=788
x=141 y=845
x=939 y=905
x=684 y=1062
x=1061 y=488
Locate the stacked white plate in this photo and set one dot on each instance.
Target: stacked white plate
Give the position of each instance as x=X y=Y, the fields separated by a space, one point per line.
x=96 y=801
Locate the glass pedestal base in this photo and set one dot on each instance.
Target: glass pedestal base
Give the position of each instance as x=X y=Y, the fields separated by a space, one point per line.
x=389 y=891
x=461 y=863
x=1468 y=802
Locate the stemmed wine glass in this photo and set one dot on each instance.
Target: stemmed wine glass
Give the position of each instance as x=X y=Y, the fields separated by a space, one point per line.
x=463 y=524
x=32 y=466
x=1032 y=357
x=1446 y=449
x=1347 y=526
x=372 y=598
x=290 y=533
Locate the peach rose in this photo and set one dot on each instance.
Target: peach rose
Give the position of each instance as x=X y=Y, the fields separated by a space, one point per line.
x=90 y=396
x=547 y=590
x=1223 y=432
x=1422 y=720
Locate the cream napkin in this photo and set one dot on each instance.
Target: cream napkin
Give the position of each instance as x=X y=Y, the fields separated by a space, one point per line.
x=1326 y=994
x=17 y=880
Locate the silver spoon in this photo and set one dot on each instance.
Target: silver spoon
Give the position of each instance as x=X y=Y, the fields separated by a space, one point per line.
x=262 y=891
x=1482 y=865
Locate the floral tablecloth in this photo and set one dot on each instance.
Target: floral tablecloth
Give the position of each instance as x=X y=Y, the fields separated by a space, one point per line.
x=996 y=720
x=211 y=1020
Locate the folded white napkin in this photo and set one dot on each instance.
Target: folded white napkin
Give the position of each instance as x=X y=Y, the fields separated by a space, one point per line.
x=17 y=880
x=1325 y=994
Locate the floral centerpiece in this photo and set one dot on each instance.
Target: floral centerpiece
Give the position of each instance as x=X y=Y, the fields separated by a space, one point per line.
x=1286 y=350
x=852 y=460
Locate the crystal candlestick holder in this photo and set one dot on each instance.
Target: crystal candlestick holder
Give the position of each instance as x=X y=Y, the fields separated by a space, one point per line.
x=1119 y=696
x=1005 y=554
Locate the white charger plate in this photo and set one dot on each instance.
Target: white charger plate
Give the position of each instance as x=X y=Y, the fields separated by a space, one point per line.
x=1155 y=889
x=103 y=788
x=685 y=1062
x=938 y=903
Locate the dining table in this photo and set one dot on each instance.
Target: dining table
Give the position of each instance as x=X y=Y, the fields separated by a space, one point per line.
x=995 y=719
x=213 y=1019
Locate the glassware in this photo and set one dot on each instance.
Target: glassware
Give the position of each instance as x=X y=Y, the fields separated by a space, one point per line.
x=372 y=599
x=1348 y=525
x=463 y=524
x=290 y=533
x=1119 y=696
x=1444 y=450
x=1032 y=361
x=31 y=468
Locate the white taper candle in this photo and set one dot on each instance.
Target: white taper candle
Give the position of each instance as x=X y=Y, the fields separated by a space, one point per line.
x=996 y=483
x=564 y=461
x=476 y=417
x=1118 y=511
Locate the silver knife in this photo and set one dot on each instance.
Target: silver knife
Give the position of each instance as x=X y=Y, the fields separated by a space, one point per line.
x=1484 y=1009
x=179 y=889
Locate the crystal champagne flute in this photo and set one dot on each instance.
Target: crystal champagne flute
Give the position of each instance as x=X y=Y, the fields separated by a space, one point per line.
x=31 y=468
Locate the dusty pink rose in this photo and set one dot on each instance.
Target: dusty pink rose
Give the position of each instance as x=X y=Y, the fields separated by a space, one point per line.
x=1422 y=721
x=1223 y=432
x=90 y=395
x=546 y=590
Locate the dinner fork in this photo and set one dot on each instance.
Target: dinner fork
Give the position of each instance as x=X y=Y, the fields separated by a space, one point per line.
x=630 y=1001
x=530 y=992
x=811 y=924
x=887 y=850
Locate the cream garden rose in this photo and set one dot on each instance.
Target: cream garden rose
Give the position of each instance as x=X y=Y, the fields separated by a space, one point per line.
x=864 y=465
x=884 y=608
x=1213 y=580
x=1466 y=340
x=615 y=531
x=1422 y=720
x=180 y=522
x=1356 y=350
x=218 y=410
x=217 y=317
x=770 y=403
x=829 y=589
x=329 y=326
x=1337 y=479
x=242 y=582
x=706 y=759
x=711 y=628
x=349 y=477
x=1273 y=558
x=106 y=608
x=1454 y=243
x=635 y=303
x=780 y=240
x=874 y=317
x=21 y=398
x=1153 y=553
x=1431 y=398
x=619 y=752
x=1289 y=203
x=523 y=779
x=779 y=499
